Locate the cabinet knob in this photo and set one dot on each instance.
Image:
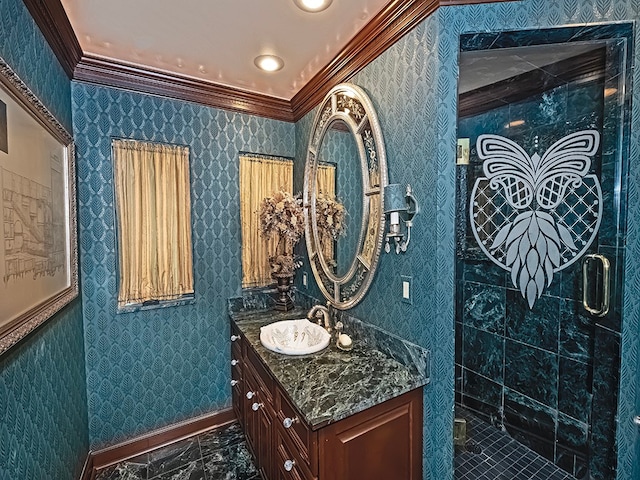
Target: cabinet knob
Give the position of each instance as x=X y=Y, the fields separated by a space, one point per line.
x=287 y=422
x=234 y=362
x=234 y=383
x=256 y=406
x=288 y=465
x=250 y=395
x=235 y=337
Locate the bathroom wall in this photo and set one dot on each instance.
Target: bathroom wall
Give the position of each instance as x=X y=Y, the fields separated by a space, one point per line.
x=414 y=88
x=43 y=429
x=149 y=369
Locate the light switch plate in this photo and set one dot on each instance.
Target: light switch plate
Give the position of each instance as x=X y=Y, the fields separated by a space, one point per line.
x=406 y=288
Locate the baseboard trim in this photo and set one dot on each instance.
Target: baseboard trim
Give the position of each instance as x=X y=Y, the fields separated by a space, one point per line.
x=157 y=438
x=87 y=468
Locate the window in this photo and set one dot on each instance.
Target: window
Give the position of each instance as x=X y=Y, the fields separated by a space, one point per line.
x=260 y=177
x=153 y=206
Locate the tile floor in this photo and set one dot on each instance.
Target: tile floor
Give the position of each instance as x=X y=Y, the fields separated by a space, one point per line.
x=222 y=455
x=494 y=455
x=215 y=455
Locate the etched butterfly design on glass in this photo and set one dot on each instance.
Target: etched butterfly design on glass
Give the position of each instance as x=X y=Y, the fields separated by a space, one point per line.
x=532 y=215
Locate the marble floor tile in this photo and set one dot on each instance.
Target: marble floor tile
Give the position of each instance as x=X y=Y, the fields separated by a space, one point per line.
x=220 y=439
x=219 y=454
x=127 y=470
x=190 y=471
x=171 y=457
x=219 y=466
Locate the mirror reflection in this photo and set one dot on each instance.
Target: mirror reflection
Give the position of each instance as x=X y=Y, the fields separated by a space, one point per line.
x=339 y=178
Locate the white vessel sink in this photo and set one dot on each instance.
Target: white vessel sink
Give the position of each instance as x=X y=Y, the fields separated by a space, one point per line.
x=294 y=337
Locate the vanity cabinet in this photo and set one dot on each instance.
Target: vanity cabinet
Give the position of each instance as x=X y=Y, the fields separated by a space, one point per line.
x=379 y=443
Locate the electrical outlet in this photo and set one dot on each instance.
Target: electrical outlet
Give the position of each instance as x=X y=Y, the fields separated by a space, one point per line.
x=406 y=288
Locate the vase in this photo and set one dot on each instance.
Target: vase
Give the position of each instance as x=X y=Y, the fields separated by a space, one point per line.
x=284 y=302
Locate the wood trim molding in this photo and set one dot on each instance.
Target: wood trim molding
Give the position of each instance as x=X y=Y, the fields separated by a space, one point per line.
x=54 y=24
x=110 y=73
x=395 y=20
x=87 y=469
x=159 y=438
x=392 y=22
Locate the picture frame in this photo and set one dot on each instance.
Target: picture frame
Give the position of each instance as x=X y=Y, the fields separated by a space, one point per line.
x=38 y=232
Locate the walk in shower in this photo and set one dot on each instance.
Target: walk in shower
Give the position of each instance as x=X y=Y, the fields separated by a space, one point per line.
x=543 y=120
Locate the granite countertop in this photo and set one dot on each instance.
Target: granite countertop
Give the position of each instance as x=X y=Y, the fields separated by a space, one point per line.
x=330 y=385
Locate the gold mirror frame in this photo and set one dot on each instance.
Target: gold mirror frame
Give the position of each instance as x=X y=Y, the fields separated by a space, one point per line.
x=349 y=103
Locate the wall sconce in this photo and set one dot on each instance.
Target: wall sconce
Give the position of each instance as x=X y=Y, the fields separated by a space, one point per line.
x=399 y=204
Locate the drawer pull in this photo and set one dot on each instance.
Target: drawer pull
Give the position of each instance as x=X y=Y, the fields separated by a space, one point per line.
x=256 y=406
x=235 y=337
x=234 y=382
x=234 y=362
x=288 y=465
x=288 y=422
x=250 y=395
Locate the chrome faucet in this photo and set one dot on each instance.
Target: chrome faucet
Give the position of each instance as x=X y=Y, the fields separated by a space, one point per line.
x=320 y=314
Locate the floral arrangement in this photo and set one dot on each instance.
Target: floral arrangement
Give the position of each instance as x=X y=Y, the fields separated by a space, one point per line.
x=330 y=215
x=282 y=217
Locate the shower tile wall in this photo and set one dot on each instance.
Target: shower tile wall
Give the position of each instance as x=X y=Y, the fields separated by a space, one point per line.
x=533 y=371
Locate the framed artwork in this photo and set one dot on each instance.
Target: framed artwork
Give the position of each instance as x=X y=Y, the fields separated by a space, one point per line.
x=38 y=240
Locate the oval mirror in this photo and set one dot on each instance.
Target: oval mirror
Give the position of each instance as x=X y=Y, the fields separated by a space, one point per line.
x=345 y=176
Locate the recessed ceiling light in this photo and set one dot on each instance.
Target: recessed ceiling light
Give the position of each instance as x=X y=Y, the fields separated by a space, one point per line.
x=269 y=63
x=313 y=5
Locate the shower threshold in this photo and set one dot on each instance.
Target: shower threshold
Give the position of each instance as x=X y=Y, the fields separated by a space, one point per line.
x=491 y=453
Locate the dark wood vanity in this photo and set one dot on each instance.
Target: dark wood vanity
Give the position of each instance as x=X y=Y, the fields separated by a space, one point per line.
x=383 y=441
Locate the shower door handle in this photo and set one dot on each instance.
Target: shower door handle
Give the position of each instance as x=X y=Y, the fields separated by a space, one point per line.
x=588 y=288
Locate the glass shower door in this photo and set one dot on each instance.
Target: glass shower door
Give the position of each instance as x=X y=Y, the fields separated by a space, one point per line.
x=542 y=122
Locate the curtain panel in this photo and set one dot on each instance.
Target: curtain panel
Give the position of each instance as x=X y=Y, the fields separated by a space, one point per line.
x=260 y=177
x=326 y=182
x=153 y=206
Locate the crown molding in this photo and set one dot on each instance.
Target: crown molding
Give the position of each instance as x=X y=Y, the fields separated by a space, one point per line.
x=54 y=24
x=389 y=25
x=102 y=71
x=395 y=20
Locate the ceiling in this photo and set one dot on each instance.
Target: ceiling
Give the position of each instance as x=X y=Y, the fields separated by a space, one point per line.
x=216 y=41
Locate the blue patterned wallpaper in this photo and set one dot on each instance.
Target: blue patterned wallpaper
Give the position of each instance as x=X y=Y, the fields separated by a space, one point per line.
x=152 y=368
x=26 y=50
x=414 y=88
x=43 y=429
x=43 y=402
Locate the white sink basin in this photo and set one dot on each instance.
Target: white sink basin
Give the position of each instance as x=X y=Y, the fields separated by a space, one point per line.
x=294 y=337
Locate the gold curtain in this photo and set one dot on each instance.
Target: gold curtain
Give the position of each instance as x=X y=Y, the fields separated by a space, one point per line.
x=260 y=177
x=153 y=202
x=326 y=183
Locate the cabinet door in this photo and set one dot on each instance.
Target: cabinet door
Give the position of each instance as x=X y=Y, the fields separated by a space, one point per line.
x=287 y=464
x=258 y=424
x=381 y=443
x=237 y=386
